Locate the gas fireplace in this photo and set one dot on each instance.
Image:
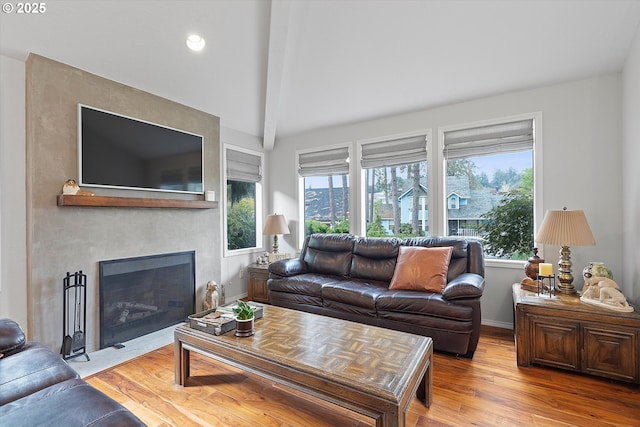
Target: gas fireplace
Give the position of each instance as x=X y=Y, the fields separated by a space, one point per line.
x=145 y=294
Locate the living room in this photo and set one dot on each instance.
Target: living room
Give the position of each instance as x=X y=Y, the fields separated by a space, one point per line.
x=588 y=141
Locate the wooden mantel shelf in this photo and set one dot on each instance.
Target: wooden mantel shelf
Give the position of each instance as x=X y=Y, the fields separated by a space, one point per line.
x=132 y=202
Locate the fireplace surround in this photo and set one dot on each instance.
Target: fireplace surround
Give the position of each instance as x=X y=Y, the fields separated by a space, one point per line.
x=144 y=294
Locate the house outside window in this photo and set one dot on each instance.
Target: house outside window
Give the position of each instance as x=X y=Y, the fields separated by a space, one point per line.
x=489 y=186
x=393 y=171
x=324 y=180
x=243 y=200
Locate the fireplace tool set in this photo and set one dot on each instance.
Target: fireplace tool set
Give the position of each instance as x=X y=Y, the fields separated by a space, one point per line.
x=74 y=322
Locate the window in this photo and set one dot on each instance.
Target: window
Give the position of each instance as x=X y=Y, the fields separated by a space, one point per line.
x=489 y=186
x=324 y=179
x=394 y=171
x=243 y=194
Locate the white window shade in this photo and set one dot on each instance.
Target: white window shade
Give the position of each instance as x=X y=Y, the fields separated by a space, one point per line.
x=323 y=163
x=394 y=152
x=488 y=140
x=243 y=166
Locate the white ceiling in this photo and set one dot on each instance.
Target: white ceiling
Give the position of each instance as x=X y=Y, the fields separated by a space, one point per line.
x=277 y=68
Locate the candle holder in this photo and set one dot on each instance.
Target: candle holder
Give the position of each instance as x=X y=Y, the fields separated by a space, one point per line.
x=551 y=288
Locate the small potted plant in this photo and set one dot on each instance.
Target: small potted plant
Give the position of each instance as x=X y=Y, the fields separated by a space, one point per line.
x=245 y=315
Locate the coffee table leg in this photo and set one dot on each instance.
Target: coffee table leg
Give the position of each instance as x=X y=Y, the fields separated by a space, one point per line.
x=392 y=418
x=181 y=359
x=425 y=389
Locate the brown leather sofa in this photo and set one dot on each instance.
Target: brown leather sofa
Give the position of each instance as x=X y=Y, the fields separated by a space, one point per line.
x=38 y=388
x=347 y=277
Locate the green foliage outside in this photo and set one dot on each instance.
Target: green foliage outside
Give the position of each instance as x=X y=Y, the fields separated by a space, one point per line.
x=241 y=224
x=509 y=231
x=313 y=226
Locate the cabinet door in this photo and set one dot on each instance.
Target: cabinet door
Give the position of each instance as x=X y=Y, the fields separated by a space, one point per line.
x=258 y=285
x=555 y=343
x=611 y=352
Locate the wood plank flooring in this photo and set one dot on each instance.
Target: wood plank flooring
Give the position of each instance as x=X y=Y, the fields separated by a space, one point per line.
x=489 y=390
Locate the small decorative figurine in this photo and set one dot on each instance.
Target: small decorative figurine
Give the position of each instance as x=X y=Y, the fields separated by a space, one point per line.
x=211 y=297
x=71 y=187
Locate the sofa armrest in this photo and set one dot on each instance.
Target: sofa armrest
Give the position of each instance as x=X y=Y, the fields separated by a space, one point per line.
x=466 y=285
x=11 y=337
x=288 y=267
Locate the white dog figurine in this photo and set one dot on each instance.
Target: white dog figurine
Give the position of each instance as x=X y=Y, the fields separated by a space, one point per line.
x=211 y=297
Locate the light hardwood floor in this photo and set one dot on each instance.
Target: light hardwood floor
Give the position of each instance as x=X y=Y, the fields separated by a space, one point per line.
x=489 y=390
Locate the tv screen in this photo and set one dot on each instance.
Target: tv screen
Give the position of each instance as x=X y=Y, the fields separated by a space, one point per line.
x=122 y=152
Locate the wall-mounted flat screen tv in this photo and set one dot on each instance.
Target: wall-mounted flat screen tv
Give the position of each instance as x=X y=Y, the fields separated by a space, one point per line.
x=116 y=151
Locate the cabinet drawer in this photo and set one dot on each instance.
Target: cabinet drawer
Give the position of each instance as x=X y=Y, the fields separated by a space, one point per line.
x=611 y=353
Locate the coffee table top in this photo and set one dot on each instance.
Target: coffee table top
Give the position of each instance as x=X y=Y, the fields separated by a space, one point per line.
x=378 y=360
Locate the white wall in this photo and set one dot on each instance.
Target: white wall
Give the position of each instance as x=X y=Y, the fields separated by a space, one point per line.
x=631 y=171
x=13 y=264
x=581 y=123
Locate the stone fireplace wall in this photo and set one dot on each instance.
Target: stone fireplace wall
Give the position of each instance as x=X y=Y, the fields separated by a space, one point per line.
x=68 y=239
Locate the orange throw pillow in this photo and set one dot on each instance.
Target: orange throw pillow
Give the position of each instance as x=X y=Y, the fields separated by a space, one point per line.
x=421 y=269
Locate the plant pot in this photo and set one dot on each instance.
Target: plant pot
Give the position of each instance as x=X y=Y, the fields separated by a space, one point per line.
x=244 y=328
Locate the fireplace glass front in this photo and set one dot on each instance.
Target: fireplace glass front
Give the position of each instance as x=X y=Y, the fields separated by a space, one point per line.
x=145 y=294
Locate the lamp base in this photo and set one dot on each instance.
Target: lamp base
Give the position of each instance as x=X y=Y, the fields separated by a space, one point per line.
x=565 y=278
x=275 y=247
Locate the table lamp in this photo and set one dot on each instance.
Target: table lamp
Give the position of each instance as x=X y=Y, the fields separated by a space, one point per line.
x=275 y=224
x=565 y=228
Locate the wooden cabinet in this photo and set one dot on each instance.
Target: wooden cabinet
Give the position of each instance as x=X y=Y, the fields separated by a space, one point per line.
x=565 y=333
x=258 y=275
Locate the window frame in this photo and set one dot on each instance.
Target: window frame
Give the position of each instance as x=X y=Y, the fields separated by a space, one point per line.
x=301 y=189
x=361 y=215
x=259 y=204
x=438 y=196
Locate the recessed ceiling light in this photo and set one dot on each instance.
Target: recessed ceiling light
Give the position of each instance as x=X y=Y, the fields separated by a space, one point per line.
x=195 y=42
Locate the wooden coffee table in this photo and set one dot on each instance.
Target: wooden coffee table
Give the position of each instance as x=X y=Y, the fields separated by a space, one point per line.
x=367 y=369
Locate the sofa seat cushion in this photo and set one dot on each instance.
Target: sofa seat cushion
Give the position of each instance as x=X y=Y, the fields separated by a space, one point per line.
x=359 y=293
x=424 y=304
x=69 y=403
x=32 y=369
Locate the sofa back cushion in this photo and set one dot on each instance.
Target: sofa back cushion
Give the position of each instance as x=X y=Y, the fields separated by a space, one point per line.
x=374 y=258
x=328 y=253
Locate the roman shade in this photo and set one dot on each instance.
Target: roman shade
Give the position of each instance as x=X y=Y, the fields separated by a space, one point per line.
x=243 y=166
x=323 y=163
x=488 y=140
x=394 y=152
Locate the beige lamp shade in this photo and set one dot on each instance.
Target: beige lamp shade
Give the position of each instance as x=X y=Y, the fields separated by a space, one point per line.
x=565 y=228
x=275 y=224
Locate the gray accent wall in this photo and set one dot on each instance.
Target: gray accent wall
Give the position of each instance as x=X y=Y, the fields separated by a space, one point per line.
x=68 y=239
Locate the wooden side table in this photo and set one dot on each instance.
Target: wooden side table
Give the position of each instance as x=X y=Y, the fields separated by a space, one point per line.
x=258 y=275
x=563 y=332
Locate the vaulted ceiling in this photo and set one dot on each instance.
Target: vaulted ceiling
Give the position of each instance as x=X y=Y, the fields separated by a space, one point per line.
x=276 y=68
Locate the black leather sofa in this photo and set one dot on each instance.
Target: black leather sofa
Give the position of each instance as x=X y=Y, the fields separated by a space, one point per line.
x=38 y=388
x=347 y=277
